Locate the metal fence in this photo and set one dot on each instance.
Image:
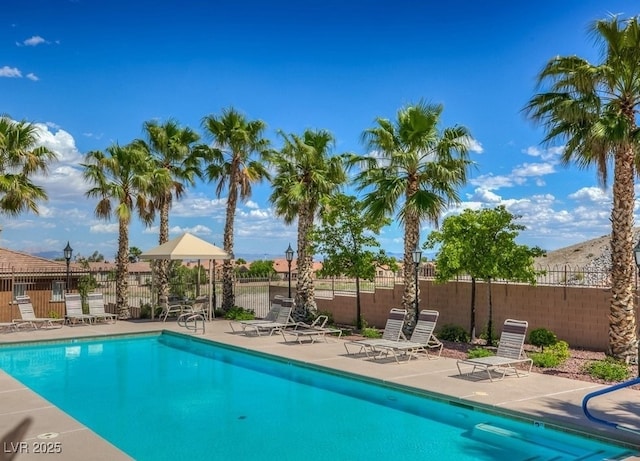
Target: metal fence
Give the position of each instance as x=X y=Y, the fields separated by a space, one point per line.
x=250 y=292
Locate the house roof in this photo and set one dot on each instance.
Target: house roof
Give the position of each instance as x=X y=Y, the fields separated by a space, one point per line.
x=16 y=260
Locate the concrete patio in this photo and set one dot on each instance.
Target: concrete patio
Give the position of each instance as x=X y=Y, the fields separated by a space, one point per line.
x=545 y=399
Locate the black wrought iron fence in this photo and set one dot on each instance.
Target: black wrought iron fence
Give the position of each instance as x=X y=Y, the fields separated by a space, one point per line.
x=51 y=282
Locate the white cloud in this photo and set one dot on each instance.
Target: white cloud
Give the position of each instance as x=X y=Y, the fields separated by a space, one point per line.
x=591 y=194
x=198 y=205
x=251 y=204
x=34 y=41
x=10 y=72
x=552 y=154
x=474 y=145
x=491 y=182
x=485 y=195
x=104 y=228
x=533 y=169
x=33 y=77
x=61 y=142
x=197 y=230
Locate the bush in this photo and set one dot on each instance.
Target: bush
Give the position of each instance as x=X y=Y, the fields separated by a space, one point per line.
x=541 y=337
x=555 y=355
x=608 y=369
x=484 y=334
x=145 y=311
x=328 y=314
x=453 y=333
x=239 y=313
x=370 y=332
x=479 y=352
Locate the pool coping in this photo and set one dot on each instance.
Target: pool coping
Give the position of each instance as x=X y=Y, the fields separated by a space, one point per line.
x=542 y=399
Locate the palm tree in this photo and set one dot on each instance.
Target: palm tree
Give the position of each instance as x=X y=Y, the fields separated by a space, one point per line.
x=121 y=178
x=415 y=173
x=237 y=141
x=171 y=147
x=305 y=175
x=20 y=159
x=593 y=108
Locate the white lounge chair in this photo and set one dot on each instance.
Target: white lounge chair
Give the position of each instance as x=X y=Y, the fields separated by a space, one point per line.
x=422 y=339
x=510 y=352
x=29 y=319
x=73 y=306
x=96 y=308
x=174 y=308
x=282 y=321
x=313 y=332
x=271 y=316
x=392 y=332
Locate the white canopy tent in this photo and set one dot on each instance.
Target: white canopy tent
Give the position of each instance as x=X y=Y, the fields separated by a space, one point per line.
x=188 y=246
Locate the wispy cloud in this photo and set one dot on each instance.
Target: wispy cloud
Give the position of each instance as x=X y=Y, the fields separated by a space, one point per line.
x=33 y=77
x=104 y=228
x=10 y=72
x=32 y=41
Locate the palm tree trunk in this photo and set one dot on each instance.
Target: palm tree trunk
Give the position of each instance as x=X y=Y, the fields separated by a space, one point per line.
x=305 y=291
x=622 y=319
x=162 y=265
x=122 y=270
x=228 y=298
x=411 y=293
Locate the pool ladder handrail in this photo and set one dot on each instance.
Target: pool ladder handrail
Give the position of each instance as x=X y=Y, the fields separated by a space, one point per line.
x=190 y=321
x=613 y=388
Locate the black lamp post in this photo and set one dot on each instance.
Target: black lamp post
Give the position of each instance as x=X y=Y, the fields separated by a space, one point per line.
x=417 y=258
x=289 y=255
x=636 y=255
x=68 y=251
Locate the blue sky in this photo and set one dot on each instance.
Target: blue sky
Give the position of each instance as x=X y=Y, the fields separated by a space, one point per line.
x=91 y=72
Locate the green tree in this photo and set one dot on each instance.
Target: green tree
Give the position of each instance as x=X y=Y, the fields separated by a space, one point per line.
x=262 y=268
x=305 y=174
x=20 y=159
x=172 y=149
x=121 y=178
x=346 y=238
x=482 y=244
x=237 y=161
x=415 y=174
x=593 y=109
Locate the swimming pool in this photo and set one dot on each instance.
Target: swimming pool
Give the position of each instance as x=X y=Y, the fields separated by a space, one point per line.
x=168 y=396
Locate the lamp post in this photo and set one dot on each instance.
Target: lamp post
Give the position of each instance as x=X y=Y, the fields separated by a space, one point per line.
x=289 y=255
x=68 y=251
x=636 y=256
x=417 y=258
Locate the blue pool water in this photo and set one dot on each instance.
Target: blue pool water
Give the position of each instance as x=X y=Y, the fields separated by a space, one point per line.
x=173 y=397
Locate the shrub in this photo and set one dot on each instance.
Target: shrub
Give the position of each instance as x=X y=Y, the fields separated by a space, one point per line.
x=145 y=311
x=479 y=352
x=453 y=333
x=608 y=369
x=370 y=332
x=541 y=337
x=553 y=356
x=484 y=334
x=239 y=313
x=329 y=316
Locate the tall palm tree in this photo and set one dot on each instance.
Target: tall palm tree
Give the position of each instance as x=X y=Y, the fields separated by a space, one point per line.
x=306 y=173
x=20 y=159
x=171 y=148
x=415 y=173
x=121 y=178
x=237 y=160
x=593 y=108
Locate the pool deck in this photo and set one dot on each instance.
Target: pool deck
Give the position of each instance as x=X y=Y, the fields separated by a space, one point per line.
x=546 y=399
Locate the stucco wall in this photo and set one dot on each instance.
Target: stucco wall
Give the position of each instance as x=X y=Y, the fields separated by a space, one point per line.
x=575 y=314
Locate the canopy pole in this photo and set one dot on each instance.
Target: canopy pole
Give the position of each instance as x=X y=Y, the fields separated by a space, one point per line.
x=211 y=284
